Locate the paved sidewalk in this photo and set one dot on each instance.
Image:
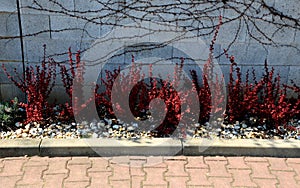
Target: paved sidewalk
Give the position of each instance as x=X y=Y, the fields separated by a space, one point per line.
x=154 y=172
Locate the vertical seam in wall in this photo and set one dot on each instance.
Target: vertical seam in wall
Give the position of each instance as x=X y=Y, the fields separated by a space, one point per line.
x=50 y=29
x=21 y=41
x=21 y=35
x=74 y=6
x=295 y=35
x=288 y=80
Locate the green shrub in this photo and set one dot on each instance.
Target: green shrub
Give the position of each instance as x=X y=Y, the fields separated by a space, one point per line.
x=10 y=114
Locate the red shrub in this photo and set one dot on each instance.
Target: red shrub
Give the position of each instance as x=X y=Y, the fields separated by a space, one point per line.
x=37 y=84
x=265 y=99
x=73 y=75
x=143 y=92
x=274 y=106
x=211 y=93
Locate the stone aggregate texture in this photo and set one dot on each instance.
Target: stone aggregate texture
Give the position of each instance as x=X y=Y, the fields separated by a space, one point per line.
x=150 y=171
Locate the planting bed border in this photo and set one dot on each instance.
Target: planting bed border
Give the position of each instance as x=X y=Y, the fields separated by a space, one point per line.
x=149 y=147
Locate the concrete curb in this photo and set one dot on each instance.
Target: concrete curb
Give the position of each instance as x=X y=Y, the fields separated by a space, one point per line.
x=110 y=147
x=149 y=147
x=19 y=147
x=243 y=147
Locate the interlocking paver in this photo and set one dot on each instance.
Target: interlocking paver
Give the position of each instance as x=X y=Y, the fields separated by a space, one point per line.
x=216 y=158
x=217 y=166
x=175 y=182
x=155 y=161
x=296 y=168
x=198 y=177
x=99 y=165
x=13 y=167
x=54 y=180
x=286 y=178
x=175 y=168
x=266 y=183
x=155 y=176
x=79 y=161
x=76 y=184
x=78 y=170
x=196 y=162
x=120 y=183
x=9 y=181
x=137 y=181
x=120 y=172
x=293 y=160
x=78 y=167
x=120 y=160
x=136 y=166
x=99 y=179
x=137 y=162
x=32 y=175
x=57 y=165
x=37 y=161
x=56 y=172
x=221 y=182
x=279 y=164
x=241 y=178
x=237 y=163
x=149 y=172
x=135 y=171
x=260 y=169
x=256 y=159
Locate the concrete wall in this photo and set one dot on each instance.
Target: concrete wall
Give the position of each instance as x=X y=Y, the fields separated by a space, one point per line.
x=59 y=32
x=10 y=50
